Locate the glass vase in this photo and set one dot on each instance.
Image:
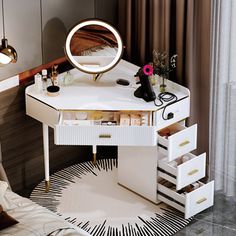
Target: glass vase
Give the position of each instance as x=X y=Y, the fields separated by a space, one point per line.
x=163 y=86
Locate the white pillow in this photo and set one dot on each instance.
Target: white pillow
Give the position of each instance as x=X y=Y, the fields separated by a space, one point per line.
x=6 y=204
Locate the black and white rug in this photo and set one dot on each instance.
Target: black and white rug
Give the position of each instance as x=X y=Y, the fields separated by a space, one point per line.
x=88 y=196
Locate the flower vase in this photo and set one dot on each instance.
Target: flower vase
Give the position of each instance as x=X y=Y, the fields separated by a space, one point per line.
x=163 y=86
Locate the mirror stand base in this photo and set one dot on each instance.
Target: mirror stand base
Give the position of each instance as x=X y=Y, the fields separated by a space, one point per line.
x=97 y=76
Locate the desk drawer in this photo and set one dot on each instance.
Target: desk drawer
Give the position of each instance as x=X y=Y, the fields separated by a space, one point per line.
x=189 y=203
x=180 y=111
x=180 y=140
x=105 y=135
x=41 y=111
x=183 y=174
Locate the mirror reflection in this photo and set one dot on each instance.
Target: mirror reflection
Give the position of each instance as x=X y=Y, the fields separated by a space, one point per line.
x=94 y=46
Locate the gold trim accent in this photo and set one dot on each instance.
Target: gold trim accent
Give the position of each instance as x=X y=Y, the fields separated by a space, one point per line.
x=104 y=136
x=192 y=172
x=97 y=76
x=184 y=143
x=201 y=200
x=47 y=186
x=94 y=158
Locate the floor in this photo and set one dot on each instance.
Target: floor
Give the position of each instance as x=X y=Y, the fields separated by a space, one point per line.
x=220 y=220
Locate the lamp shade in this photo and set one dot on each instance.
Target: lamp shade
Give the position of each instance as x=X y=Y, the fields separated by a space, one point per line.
x=7 y=53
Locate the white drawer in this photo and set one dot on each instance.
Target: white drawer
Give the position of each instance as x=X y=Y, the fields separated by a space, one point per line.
x=41 y=111
x=180 y=112
x=105 y=135
x=185 y=173
x=183 y=140
x=189 y=203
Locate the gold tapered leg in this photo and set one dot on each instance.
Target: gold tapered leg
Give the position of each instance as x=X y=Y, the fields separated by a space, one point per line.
x=94 y=158
x=47 y=186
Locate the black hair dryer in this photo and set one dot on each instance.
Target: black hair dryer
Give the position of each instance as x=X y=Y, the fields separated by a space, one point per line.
x=145 y=91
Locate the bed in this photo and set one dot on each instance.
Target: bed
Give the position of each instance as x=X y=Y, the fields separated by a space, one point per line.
x=32 y=219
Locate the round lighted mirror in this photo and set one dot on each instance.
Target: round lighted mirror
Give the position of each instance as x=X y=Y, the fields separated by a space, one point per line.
x=93 y=46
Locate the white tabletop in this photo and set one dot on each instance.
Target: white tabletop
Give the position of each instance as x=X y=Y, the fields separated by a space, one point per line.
x=105 y=94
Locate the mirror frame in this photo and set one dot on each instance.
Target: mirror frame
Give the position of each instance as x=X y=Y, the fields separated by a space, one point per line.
x=94 y=70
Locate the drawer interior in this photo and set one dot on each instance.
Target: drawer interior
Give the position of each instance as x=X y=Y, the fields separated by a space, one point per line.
x=106 y=118
x=183 y=170
x=165 y=133
x=191 y=200
x=167 y=189
x=171 y=167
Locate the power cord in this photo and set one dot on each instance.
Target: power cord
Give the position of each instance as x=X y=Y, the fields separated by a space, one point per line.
x=166 y=97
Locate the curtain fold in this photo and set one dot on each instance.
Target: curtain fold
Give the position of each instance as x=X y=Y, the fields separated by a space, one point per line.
x=223 y=97
x=180 y=27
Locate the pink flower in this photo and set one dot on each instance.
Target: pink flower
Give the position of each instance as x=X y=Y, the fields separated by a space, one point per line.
x=148 y=69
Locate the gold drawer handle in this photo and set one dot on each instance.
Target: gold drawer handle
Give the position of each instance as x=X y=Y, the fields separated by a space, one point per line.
x=184 y=143
x=192 y=172
x=104 y=136
x=201 y=200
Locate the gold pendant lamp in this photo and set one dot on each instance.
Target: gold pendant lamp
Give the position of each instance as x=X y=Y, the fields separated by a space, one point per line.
x=7 y=53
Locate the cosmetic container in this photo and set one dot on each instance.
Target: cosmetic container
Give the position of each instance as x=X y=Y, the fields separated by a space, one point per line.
x=38 y=83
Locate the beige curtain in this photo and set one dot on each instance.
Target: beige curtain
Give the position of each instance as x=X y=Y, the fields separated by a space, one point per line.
x=179 y=27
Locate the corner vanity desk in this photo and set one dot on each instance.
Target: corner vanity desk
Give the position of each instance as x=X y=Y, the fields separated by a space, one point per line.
x=151 y=164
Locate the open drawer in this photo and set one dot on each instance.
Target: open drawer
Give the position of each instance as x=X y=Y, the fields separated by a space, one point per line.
x=72 y=131
x=184 y=170
x=189 y=203
x=176 y=140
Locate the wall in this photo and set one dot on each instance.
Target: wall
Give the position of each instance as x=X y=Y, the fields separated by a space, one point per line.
x=20 y=135
x=37 y=28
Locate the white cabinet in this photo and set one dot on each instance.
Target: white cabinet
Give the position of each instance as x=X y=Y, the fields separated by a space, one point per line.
x=154 y=158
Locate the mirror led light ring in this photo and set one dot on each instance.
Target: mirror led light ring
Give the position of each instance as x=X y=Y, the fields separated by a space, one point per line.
x=93 y=70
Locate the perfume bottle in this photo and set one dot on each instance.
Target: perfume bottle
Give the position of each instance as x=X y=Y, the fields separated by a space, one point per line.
x=54 y=75
x=38 y=85
x=44 y=79
x=68 y=78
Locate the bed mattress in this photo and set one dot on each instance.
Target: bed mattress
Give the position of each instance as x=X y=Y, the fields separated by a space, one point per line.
x=36 y=220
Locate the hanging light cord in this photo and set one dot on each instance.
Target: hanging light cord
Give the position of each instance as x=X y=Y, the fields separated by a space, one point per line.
x=3 y=22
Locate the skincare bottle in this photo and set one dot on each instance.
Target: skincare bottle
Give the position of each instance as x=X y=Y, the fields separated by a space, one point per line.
x=68 y=78
x=44 y=79
x=38 y=83
x=54 y=75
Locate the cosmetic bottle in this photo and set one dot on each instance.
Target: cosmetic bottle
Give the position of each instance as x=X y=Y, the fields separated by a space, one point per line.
x=38 y=83
x=44 y=79
x=54 y=75
x=68 y=78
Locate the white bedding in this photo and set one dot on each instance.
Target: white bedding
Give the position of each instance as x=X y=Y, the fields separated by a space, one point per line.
x=35 y=220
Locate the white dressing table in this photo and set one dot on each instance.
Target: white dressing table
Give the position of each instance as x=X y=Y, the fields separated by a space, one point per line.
x=145 y=157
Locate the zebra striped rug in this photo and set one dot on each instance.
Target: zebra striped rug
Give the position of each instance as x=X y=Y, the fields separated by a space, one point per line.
x=88 y=196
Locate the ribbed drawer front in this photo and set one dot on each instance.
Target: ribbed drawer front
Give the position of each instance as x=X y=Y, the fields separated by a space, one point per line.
x=103 y=135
